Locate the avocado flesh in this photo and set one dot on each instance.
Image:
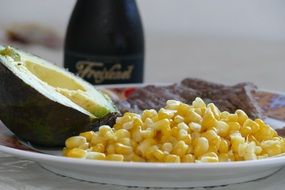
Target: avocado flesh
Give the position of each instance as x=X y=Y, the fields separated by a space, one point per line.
x=93 y=102
x=44 y=104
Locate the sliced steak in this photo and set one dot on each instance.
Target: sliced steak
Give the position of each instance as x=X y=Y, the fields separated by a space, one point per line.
x=227 y=98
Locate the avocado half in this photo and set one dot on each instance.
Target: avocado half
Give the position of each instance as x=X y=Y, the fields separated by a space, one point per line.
x=43 y=104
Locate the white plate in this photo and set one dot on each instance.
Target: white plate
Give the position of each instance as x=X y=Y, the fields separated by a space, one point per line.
x=153 y=174
x=156 y=174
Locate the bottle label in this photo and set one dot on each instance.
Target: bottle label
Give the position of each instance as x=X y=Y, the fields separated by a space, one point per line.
x=106 y=70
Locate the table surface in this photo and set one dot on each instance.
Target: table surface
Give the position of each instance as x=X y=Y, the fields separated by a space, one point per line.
x=226 y=61
x=16 y=173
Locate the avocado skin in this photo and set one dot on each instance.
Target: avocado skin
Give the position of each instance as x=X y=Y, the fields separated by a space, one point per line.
x=34 y=118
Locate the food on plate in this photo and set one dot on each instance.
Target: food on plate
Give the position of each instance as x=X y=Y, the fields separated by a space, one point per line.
x=226 y=98
x=31 y=33
x=44 y=104
x=177 y=133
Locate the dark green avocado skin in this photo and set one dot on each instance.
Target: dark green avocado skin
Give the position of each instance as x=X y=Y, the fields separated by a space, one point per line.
x=36 y=119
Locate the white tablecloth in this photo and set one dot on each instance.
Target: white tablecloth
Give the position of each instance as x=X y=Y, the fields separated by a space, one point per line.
x=227 y=61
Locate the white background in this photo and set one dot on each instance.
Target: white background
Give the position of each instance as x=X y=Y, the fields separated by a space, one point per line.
x=222 y=40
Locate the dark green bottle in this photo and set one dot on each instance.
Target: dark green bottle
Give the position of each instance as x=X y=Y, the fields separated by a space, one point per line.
x=104 y=42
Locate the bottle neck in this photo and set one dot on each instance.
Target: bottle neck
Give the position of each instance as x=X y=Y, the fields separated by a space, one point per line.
x=106 y=4
x=99 y=26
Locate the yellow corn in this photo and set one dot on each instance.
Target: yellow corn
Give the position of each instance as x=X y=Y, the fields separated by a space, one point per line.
x=178 y=119
x=198 y=103
x=123 y=149
x=222 y=128
x=242 y=117
x=195 y=127
x=167 y=147
x=180 y=148
x=115 y=157
x=98 y=148
x=122 y=133
x=75 y=142
x=188 y=158
x=209 y=119
x=76 y=153
x=96 y=156
x=88 y=135
x=172 y=158
x=202 y=146
x=151 y=114
x=179 y=133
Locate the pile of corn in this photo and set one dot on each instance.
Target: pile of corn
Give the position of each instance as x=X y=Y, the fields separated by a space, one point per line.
x=179 y=133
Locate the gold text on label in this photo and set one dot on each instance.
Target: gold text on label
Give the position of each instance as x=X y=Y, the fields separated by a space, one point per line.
x=99 y=73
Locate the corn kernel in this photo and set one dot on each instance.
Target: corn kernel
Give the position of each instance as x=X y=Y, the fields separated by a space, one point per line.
x=144 y=145
x=234 y=127
x=96 y=139
x=183 y=109
x=104 y=129
x=236 y=140
x=195 y=127
x=209 y=119
x=111 y=149
x=224 y=146
x=251 y=124
x=192 y=116
x=214 y=110
x=75 y=142
x=88 y=135
x=128 y=125
x=84 y=146
x=151 y=114
x=271 y=147
x=125 y=141
x=172 y=158
x=166 y=113
x=172 y=104
x=245 y=131
x=115 y=157
x=98 y=148
x=180 y=148
x=209 y=159
x=198 y=103
x=188 y=158
x=136 y=134
x=162 y=124
x=148 y=133
x=222 y=128
x=122 y=133
x=167 y=147
x=202 y=146
x=159 y=155
x=123 y=149
x=224 y=157
x=148 y=154
x=224 y=115
x=95 y=156
x=182 y=134
x=178 y=119
x=242 y=116
x=188 y=139
x=183 y=126
x=247 y=151
x=76 y=153
x=232 y=117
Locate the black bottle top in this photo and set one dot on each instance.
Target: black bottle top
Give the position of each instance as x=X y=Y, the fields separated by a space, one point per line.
x=105 y=27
